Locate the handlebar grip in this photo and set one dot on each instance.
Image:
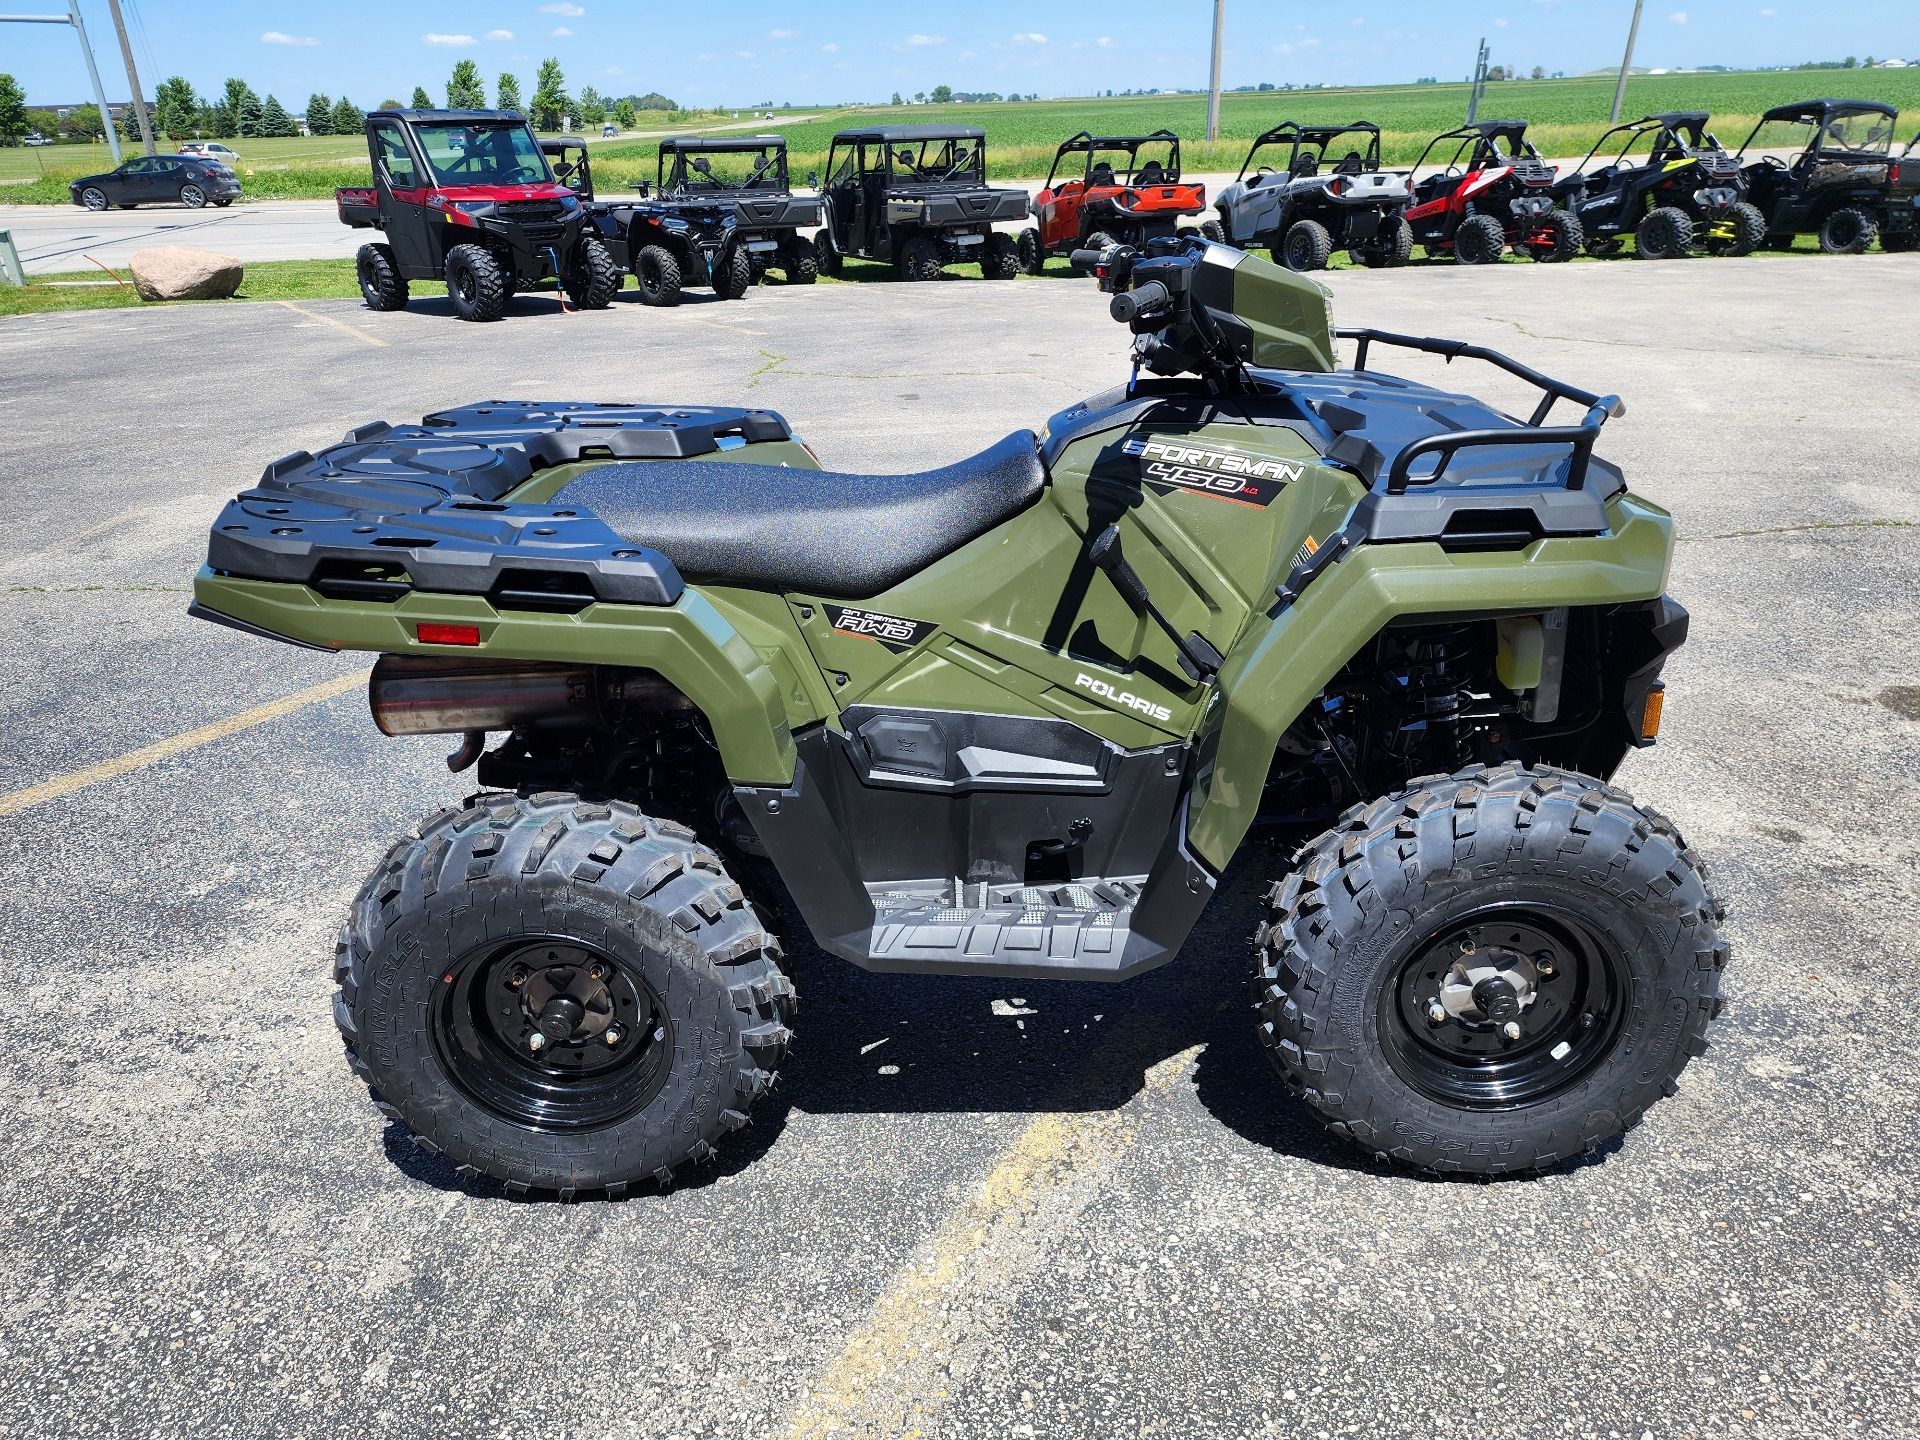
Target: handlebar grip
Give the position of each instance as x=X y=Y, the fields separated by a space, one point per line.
x=1144 y=299
x=1085 y=260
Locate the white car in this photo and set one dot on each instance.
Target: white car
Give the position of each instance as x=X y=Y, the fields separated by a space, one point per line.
x=209 y=150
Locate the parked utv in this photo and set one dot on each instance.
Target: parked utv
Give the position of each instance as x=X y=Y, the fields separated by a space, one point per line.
x=1314 y=205
x=1117 y=190
x=1492 y=190
x=1685 y=190
x=916 y=197
x=1012 y=717
x=1900 y=220
x=467 y=196
x=1839 y=186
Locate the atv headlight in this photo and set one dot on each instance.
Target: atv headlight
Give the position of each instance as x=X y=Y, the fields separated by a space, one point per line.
x=473 y=207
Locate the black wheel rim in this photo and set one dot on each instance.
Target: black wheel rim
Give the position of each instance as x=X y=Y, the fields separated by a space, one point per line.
x=606 y=1039
x=1569 y=1013
x=1845 y=231
x=463 y=283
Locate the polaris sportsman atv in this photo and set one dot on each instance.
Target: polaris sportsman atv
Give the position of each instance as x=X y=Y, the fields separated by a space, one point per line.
x=1124 y=190
x=1305 y=212
x=1492 y=190
x=468 y=196
x=1685 y=190
x=1839 y=184
x=916 y=196
x=1010 y=717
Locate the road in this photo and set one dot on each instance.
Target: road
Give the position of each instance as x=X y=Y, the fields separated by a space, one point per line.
x=972 y=1208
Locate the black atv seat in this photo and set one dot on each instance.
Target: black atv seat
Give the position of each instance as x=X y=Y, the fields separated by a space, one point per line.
x=1151 y=173
x=1350 y=164
x=815 y=532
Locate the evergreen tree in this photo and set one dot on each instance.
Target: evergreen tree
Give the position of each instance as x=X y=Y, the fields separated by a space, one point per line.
x=176 y=111
x=13 y=111
x=274 y=120
x=217 y=120
x=421 y=100
x=348 y=118
x=464 y=88
x=319 y=115
x=244 y=106
x=509 y=93
x=549 y=96
x=592 y=110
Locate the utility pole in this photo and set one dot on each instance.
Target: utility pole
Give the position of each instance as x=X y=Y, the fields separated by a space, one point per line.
x=1479 y=83
x=133 y=79
x=1213 y=87
x=1626 y=63
x=72 y=17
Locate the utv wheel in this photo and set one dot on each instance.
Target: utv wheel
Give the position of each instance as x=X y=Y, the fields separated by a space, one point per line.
x=1665 y=234
x=1781 y=243
x=1214 y=231
x=657 y=272
x=1307 y=246
x=801 y=263
x=475 y=283
x=1027 y=248
x=1898 y=242
x=920 y=259
x=1394 y=248
x=1100 y=240
x=1489 y=972
x=381 y=284
x=1739 y=233
x=1000 y=259
x=193 y=197
x=1564 y=238
x=94 y=198
x=1480 y=240
x=733 y=274
x=565 y=995
x=594 y=279
x=1848 y=231
x=829 y=256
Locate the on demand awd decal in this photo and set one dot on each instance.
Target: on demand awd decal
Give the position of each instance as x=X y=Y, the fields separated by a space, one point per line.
x=1168 y=465
x=891 y=631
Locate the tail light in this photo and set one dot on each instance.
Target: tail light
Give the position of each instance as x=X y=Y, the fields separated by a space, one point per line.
x=1893 y=173
x=1337 y=185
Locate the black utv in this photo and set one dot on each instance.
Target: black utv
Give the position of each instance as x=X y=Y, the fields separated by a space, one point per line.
x=916 y=196
x=666 y=242
x=1839 y=181
x=751 y=172
x=1667 y=182
x=1900 y=221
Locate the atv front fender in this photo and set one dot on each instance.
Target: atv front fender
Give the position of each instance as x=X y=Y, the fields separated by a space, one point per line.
x=1284 y=660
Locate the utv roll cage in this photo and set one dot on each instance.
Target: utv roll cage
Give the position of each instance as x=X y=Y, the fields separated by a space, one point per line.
x=1101 y=173
x=1295 y=135
x=904 y=156
x=571 y=170
x=1481 y=142
x=1822 y=115
x=690 y=153
x=1677 y=134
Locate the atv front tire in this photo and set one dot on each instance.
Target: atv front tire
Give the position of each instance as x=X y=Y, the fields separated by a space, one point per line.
x=1307 y=246
x=999 y=257
x=381 y=283
x=1480 y=240
x=1848 y=231
x=1665 y=234
x=656 y=270
x=563 y=994
x=1742 y=230
x=475 y=283
x=1566 y=234
x=1491 y=971
x=920 y=259
x=594 y=279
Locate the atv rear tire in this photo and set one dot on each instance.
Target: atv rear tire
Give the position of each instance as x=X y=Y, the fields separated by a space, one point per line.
x=1480 y=240
x=594 y=279
x=1307 y=246
x=800 y=261
x=1027 y=247
x=1390 y=250
x=1665 y=234
x=1568 y=237
x=589 y=926
x=1848 y=231
x=381 y=283
x=999 y=258
x=1583 y=925
x=823 y=247
x=656 y=270
x=1748 y=227
x=475 y=283
x=1214 y=231
x=920 y=259
x=732 y=273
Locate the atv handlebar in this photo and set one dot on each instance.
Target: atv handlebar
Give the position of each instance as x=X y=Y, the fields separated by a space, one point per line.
x=1147 y=299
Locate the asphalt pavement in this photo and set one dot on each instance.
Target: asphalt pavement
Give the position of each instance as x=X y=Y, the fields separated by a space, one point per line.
x=972 y=1208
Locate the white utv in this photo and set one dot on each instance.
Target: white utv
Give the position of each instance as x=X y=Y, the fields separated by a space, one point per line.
x=1317 y=204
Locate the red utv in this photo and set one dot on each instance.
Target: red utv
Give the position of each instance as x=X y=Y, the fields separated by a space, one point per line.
x=467 y=196
x=1491 y=191
x=1126 y=191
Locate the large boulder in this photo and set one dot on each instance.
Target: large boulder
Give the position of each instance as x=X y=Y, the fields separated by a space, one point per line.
x=180 y=272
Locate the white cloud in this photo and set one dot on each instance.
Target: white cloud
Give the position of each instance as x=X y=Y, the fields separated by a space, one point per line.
x=1030 y=37
x=450 y=42
x=1107 y=42
x=499 y=34
x=561 y=32
x=1360 y=20
x=275 y=37
x=1678 y=17
x=783 y=34
x=830 y=48
x=1501 y=23
x=926 y=40
x=572 y=12
x=1768 y=13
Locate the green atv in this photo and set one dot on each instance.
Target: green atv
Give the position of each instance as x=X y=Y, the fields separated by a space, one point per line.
x=1011 y=717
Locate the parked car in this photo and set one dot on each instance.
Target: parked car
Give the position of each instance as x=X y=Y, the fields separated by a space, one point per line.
x=211 y=150
x=36 y=138
x=189 y=180
x=609 y=130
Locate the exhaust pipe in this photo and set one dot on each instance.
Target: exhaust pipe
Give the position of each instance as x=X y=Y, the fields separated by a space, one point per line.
x=429 y=695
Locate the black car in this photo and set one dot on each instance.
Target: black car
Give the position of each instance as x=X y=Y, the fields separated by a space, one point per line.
x=185 y=180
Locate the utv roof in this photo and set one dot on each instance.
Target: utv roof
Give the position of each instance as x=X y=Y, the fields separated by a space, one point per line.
x=718 y=144
x=1085 y=141
x=887 y=134
x=456 y=117
x=1820 y=109
x=1678 y=118
x=1315 y=132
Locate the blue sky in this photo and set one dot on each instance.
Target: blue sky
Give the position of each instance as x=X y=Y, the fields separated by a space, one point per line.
x=745 y=51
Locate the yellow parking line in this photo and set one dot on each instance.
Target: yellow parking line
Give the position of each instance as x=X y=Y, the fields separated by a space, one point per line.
x=355 y=331
x=177 y=744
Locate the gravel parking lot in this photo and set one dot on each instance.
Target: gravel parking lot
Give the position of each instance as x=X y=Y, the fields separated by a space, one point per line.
x=972 y=1208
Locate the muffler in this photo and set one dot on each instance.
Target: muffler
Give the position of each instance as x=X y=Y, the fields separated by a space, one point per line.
x=431 y=695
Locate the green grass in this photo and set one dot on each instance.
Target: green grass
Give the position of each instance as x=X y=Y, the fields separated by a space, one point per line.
x=265 y=280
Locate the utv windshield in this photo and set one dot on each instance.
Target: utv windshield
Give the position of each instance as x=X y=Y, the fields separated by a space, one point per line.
x=938 y=160
x=1867 y=134
x=764 y=168
x=483 y=154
